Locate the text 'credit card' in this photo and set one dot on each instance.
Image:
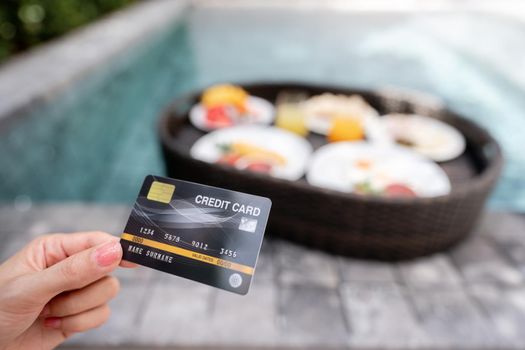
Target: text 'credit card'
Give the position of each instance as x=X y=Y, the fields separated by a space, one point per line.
x=207 y=234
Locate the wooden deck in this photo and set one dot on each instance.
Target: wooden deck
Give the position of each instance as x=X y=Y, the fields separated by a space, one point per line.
x=472 y=297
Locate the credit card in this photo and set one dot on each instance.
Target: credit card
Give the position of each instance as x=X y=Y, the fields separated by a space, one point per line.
x=206 y=234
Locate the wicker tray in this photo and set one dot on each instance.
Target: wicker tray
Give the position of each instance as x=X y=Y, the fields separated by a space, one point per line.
x=348 y=224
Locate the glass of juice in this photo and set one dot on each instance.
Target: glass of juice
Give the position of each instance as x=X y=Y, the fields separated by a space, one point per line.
x=289 y=114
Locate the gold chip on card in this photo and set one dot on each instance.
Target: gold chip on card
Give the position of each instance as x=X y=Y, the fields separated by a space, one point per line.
x=161 y=192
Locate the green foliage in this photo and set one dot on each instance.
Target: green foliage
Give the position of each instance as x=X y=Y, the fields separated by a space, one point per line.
x=25 y=23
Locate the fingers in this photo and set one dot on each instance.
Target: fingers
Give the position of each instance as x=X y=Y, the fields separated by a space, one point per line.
x=127 y=264
x=60 y=246
x=94 y=295
x=74 y=272
x=80 y=322
x=48 y=250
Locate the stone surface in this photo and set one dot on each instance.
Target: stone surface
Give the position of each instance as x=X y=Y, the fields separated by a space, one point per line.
x=380 y=316
x=357 y=271
x=479 y=261
x=434 y=271
x=311 y=315
x=176 y=311
x=265 y=270
x=299 y=266
x=472 y=297
x=506 y=310
x=510 y=240
x=245 y=321
x=449 y=318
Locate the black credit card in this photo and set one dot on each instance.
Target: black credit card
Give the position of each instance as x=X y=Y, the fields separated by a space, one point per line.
x=207 y=234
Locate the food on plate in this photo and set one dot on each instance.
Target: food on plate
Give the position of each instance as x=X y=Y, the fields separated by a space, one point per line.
x=228 y=105
x=346 y=129
x=290 y=115
x=399 y=190
x=392 y=190
x=367 y=169
x=427 y=136
x=322 y=110
x=225 y=95
x=244 y=155
x=219 y=116
x=255 y=148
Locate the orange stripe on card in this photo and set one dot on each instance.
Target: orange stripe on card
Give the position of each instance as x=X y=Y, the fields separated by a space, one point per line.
x=188 y=253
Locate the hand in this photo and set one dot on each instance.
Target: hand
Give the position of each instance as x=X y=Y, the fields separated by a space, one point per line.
x=56 y=286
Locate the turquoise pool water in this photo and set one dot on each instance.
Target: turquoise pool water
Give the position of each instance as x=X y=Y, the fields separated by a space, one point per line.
x=97 y=141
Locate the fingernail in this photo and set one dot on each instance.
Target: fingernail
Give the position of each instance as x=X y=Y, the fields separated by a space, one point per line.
x=45 y=311
x=53 y=322
x=108 y=254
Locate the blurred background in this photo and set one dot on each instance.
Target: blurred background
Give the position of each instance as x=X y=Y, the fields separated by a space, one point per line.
x=470 y=60
x=25 y=24
x=82 y=86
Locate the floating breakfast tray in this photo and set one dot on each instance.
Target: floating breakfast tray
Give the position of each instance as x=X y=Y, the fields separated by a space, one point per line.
x=345 y=223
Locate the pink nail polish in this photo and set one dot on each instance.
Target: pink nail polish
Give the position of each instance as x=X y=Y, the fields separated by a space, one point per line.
x=53 y=322
x=108 y=254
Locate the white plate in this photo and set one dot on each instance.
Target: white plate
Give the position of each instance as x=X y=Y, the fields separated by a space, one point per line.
x=428 y=136
x=334 y=166
x=316 y=106
x=260 y=111
x=296 y=150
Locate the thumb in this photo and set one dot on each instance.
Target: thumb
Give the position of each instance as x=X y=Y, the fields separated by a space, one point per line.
x=76 y=271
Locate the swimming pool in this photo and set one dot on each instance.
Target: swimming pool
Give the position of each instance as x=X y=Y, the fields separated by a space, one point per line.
x=97 y=140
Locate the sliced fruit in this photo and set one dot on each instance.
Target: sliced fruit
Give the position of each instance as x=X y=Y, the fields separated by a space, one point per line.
x=229 y=158
x=218 y=116
x=225 y=94
x=346 y=128
x=398 y=190
x=246 y=149
x=260 y=167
